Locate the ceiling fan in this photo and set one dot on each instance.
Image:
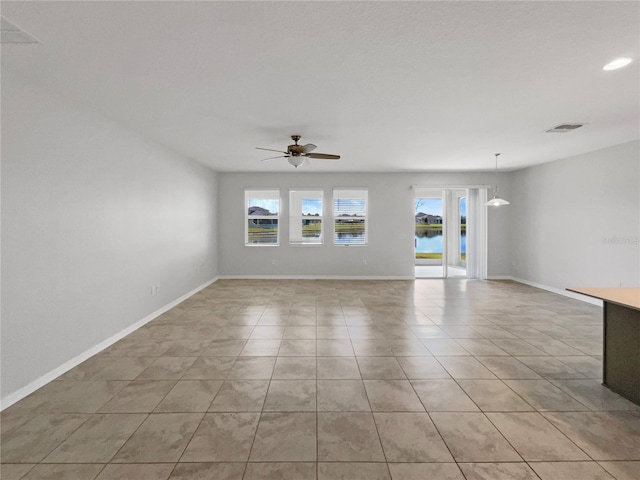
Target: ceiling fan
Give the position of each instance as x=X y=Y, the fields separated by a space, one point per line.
x=298 y=154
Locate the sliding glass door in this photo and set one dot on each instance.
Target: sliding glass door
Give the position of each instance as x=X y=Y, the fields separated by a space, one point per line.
x=441 y=246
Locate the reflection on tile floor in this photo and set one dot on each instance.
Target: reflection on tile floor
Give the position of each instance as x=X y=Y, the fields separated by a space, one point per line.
x=273 y=379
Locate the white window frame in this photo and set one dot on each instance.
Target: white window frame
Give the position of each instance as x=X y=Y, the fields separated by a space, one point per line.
x=296 y=217
x=269 y=194
x=351 y=193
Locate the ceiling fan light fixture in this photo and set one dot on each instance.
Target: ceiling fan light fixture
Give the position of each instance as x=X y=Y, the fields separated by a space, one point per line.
x=297 y=161
x=496 y=201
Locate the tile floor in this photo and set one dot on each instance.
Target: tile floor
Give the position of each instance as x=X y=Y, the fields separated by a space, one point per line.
x=261 y=379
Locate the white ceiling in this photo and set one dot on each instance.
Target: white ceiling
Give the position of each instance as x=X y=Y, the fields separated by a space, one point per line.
x=390 y=86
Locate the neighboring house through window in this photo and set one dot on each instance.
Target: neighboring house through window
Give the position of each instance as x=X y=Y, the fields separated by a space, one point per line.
x=262 y=209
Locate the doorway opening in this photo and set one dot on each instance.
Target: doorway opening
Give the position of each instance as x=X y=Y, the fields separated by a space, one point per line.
x=440 y=237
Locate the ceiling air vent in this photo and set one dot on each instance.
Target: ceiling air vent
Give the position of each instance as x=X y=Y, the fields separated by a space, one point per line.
x=565 y=127
x=9 y=33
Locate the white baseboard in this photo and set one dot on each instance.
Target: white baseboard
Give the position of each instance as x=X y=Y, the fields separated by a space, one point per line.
x=314 y=277
x=65 y=367
x=565 y=293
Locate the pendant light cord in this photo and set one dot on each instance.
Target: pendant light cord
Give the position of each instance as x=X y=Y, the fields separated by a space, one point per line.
x=495 y=192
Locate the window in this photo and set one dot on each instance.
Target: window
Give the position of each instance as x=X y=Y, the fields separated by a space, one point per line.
x=305 y=217
x=350 y=217
x=263 y=212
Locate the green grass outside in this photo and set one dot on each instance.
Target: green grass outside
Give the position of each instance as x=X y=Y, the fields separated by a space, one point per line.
x=437 y=256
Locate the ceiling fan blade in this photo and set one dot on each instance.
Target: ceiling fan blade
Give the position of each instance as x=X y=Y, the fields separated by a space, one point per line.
x=270 y=150
x=271 y=158
x=308 y=148
x=323 y=156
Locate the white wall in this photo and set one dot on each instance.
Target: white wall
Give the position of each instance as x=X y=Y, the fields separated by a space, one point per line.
x=576 y=222
x=92 y=217
x=391 y=226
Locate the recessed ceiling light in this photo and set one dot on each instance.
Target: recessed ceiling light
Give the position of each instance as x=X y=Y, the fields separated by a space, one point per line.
x=617 y=63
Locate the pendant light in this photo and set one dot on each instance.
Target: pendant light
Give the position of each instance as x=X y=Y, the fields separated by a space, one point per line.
x=496 y=201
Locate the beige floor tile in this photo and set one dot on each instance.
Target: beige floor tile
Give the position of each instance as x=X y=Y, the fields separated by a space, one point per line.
x=338 y=368
x=334 y=348
x=379 y=368
x=594 y=395
x=300 y=333
x=161 y=438
x=70 y=397
x=410 y=437
x=590 y=367
x=106 y=368
x=392 y=396
x=494 y=396
x=295 y=368
x=52 y=471
x=623 y=470
x=240 y=396
x=208 y=471
x=535 y=438
x=143 y=471
x=480 y=346
x=515 y=346
x=422 y=368
x=97 y=440
x=544 y=396
x=353 y=471
x=14 y=471
x=281 y=471
x=408 y=348
x=252 y=368
x=421 y=471
x=222 y=437
x=35 y=439
x=209 y=368
x=342 y=395
x=444 y=347
x=508 y=368
x=224 y=348
x=497 y=471
x=331 y=332
x=372 y=348
x=190 y=396
x=291 y=396
x=570 y=471
x=285 y=437
x=462 y=368
x=267 y=332
x=140 y=396
x=602 y=435
x=348 y=437
x=443 y=396
x=187 y=348
x=261 y=348
x=550 y=368
x=472 y=438
x=297 y=348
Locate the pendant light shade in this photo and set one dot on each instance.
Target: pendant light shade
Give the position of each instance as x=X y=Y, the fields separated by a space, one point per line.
x=496 y=201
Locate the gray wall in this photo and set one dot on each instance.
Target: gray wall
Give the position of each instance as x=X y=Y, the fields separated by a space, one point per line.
x=391 y=226
x=576 y=221
x=92 y=217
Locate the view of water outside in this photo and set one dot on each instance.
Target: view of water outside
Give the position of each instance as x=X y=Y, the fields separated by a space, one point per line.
x=428 y=231
x=349 y=225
